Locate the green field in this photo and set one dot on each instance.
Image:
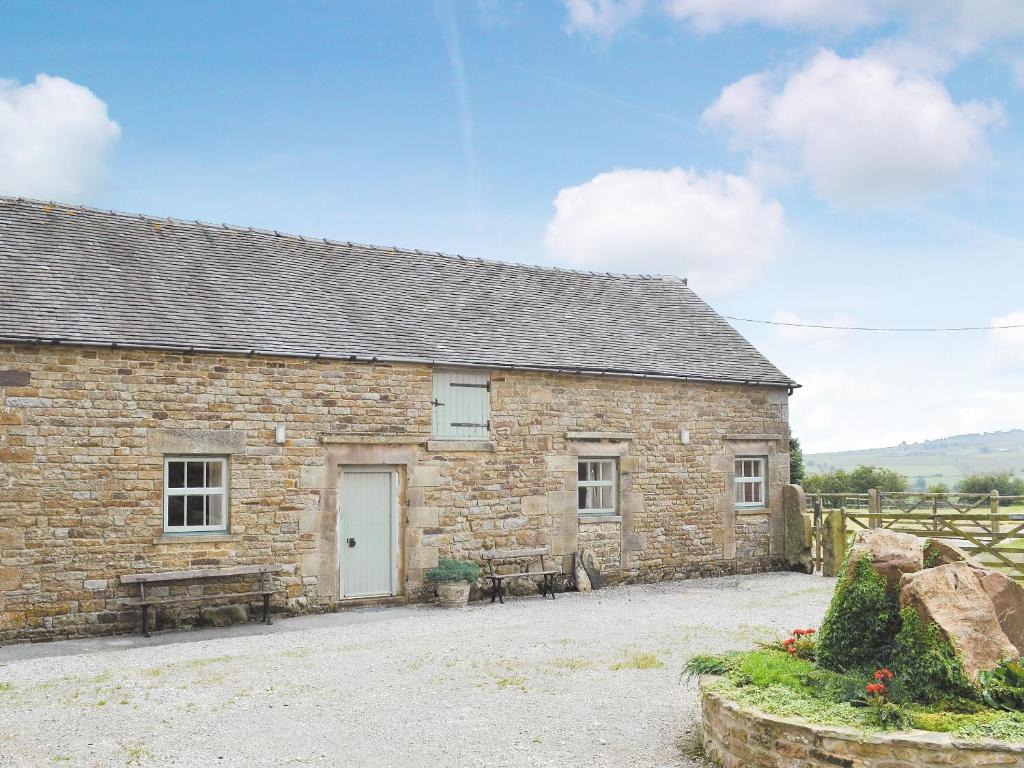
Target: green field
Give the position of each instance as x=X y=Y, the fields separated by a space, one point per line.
x=947 y=460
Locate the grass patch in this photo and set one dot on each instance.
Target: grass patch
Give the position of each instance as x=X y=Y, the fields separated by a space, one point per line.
x=766 y=668
x=639 y=661
x=572 y=663
x=512 y=682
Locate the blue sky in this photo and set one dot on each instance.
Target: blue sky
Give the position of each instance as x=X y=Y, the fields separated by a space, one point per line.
x=823 y=161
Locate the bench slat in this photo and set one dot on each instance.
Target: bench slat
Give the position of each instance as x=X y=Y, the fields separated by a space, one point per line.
x=201 y=573
x=515 y=575
x=199 y=598
x=510 y=554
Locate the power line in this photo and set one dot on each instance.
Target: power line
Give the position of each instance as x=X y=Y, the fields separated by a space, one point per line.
x=880 y=330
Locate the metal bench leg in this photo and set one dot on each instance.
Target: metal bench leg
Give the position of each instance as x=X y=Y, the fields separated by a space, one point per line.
x=501 y=597
x=494 y=589
x=551 y=586
x=266 y=609
x=145 y=621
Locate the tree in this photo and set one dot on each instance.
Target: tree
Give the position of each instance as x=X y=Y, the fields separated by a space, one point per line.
x=860 y=480
x=1006 y=483
x=796 y=461
x=938 y=488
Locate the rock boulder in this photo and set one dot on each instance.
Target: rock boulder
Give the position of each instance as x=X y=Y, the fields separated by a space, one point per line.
x=892 y=553
x=1007 y=598
x=953 y=596
x=939 y=552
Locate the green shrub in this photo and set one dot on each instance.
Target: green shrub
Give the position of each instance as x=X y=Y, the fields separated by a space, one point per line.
x=927 y=666
x=454 y=570
x=764 y=668
x=1003 y=687
x=705 y=664
x=888 y=715
x=861 y=622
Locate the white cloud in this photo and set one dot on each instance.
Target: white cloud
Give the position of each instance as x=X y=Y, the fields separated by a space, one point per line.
x=716 y=229
x=54 y=139
x=1006 y=345
x=862 y=129
x=1017 y=67
x=601 y=17
x=713 y=15
x=819 y=339
x=873 y=406
x=962 y=26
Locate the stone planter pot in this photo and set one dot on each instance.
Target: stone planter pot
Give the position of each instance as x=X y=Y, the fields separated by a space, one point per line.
x=452 y=594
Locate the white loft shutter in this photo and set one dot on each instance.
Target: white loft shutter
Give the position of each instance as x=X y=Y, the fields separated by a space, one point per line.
x=462 y=406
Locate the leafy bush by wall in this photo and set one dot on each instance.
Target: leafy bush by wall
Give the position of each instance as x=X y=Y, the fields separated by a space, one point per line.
x=927 y=667
x=858 y=630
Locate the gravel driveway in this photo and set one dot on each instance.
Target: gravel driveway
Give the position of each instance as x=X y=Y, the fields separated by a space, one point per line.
x=587 y=680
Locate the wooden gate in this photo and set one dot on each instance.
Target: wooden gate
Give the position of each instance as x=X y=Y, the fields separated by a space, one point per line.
x=988 y=526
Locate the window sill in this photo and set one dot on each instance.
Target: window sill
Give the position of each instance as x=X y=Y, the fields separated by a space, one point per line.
x=462 y=446
x=585 y=518
x=752 y=510
x=196 y=538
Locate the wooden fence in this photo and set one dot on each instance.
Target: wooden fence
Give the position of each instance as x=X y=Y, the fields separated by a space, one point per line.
x=987 y=526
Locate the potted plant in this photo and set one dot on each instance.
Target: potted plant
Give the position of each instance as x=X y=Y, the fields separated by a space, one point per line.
x=453 y=578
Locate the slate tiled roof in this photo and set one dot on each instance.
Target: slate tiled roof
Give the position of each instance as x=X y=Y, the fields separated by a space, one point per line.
x=80 y=275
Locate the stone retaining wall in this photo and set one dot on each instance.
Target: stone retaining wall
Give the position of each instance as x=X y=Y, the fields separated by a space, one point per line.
x=738 y=737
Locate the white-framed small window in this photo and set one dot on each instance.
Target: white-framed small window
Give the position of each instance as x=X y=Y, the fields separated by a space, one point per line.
x=596 y=487
x=195 y=494
x=749 y=481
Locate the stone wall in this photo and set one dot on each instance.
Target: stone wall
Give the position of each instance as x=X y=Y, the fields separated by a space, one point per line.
x=84 y=432
x=738 y=737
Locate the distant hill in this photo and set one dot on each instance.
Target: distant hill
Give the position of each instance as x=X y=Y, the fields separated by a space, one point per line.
x=947 y=460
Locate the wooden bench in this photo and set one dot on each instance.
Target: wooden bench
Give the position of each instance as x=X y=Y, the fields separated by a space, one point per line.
x=525 y=557
x=142 y=579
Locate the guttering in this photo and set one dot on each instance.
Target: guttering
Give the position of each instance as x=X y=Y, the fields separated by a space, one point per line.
x=572 y=370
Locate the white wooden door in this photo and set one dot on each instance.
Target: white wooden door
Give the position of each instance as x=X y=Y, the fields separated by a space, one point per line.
x=368 y=532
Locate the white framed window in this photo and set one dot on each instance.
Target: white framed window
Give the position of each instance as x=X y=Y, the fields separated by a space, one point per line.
x=195 y=494
x=596 y=487
x=749 y=481
x=461 y=404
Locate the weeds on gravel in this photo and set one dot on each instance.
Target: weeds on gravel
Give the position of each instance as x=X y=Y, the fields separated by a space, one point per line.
x=512 y=682
x=639 y=661
x=572 y=663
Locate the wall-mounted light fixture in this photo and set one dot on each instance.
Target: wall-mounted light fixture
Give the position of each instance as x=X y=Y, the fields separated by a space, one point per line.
x=279 y=434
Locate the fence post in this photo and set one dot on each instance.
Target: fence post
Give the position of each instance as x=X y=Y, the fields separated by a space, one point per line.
x=874 y=508
x=993 y=506
x=834 y=542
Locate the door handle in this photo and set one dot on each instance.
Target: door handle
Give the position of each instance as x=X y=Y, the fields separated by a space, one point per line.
x=351 y=542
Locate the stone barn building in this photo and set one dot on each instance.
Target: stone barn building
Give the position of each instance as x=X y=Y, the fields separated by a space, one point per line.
x=178 y=395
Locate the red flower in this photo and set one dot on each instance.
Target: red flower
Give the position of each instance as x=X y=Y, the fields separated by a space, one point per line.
x=875 y=688
x=789 y=641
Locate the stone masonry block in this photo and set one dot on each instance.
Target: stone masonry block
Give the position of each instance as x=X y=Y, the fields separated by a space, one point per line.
x=425 y=476
x=560 y=463
x=423 y=517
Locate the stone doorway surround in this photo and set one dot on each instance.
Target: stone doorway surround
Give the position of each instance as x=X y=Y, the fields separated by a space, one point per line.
x=568 y=531
x=321 y=569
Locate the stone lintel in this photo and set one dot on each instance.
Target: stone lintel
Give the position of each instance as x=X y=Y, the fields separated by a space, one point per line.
x=600 y=435
x=331 y=438
x=461 y=446
x=197 y=441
